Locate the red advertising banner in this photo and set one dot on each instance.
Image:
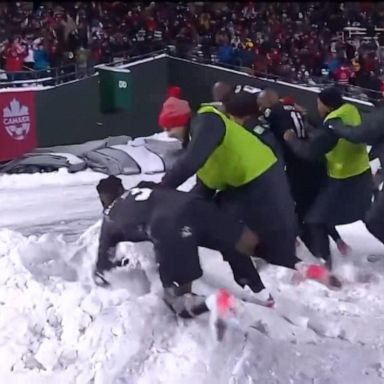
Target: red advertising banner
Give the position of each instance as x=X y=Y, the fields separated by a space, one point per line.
x=17 y=124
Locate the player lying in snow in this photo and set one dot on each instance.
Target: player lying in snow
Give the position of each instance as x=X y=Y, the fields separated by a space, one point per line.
x=177 y=223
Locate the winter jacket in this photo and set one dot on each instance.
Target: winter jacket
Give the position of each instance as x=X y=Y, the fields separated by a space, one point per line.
x=41 y=59
x=225 y=54
x=341 y=200
x=332 y=65
x=266 y=198
x=211 y=148
x=371 y=132
x=14 y=58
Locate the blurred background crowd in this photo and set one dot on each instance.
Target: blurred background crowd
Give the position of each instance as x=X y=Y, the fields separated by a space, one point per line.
x=304 y=42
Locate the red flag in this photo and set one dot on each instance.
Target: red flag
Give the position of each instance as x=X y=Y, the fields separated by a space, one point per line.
x=17 y=124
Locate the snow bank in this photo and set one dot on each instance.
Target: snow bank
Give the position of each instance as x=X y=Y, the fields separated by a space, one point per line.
x=58 y=178
x=57 y=326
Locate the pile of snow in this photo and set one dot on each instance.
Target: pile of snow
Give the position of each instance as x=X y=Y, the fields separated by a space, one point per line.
x=40 y=180
x=57 y=326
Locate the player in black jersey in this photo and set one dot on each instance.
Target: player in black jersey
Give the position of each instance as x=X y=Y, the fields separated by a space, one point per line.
x=176 y=223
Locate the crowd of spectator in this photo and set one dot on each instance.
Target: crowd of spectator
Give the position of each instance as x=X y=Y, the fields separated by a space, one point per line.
x=300 y=41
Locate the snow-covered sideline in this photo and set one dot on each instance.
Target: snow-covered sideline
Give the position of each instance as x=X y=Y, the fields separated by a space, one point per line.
x=40 y=180
x=57 y=327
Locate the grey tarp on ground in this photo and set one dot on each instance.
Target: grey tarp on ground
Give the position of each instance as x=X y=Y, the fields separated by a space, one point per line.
x=81 y=149
x=37 y=162
x=63 y=156
x=97 y=155
x=115 y=161
x=168 y=151
x=111 y=161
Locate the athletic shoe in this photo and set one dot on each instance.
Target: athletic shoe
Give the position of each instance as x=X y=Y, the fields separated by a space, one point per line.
x=263 y=298
x=222 y=307
x=318 y=273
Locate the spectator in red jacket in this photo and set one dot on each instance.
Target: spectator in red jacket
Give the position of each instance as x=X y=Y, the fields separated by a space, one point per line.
x=14 y=56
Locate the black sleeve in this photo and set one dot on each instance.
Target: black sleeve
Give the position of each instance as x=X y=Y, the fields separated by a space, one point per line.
x=280 y=121
x=363 y=133
x=109 y=238
x=312 y=120
x=208 y=131
x=315 y=147
x=202 y=190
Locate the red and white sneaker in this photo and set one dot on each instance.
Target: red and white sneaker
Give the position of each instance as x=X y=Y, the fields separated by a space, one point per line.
x=316 y=272
x=222 y=307
x=343 y=247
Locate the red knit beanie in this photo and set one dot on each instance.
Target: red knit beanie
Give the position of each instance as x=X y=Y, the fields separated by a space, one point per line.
x=174 y=91
x=175 y=113
x=288 y=100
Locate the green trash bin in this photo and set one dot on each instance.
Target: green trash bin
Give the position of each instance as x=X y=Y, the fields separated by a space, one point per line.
x=115 y=86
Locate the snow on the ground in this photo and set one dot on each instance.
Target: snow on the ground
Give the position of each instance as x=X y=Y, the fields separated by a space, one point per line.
x=57 y=327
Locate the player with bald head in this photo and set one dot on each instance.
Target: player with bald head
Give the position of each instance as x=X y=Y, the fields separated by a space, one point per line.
x=222 y=91
x=268 y=98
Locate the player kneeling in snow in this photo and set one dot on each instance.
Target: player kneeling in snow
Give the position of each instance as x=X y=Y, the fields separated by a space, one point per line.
x=176 y=223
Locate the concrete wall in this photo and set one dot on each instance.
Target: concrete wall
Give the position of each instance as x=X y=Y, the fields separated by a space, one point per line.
x=70 y=113
x=197 y=80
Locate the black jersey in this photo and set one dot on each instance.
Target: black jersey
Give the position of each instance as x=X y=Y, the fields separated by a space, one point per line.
x=130 y=216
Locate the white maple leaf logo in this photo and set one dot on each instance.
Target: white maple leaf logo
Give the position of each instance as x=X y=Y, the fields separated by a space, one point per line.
x=16 y=119
x=15 y=109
